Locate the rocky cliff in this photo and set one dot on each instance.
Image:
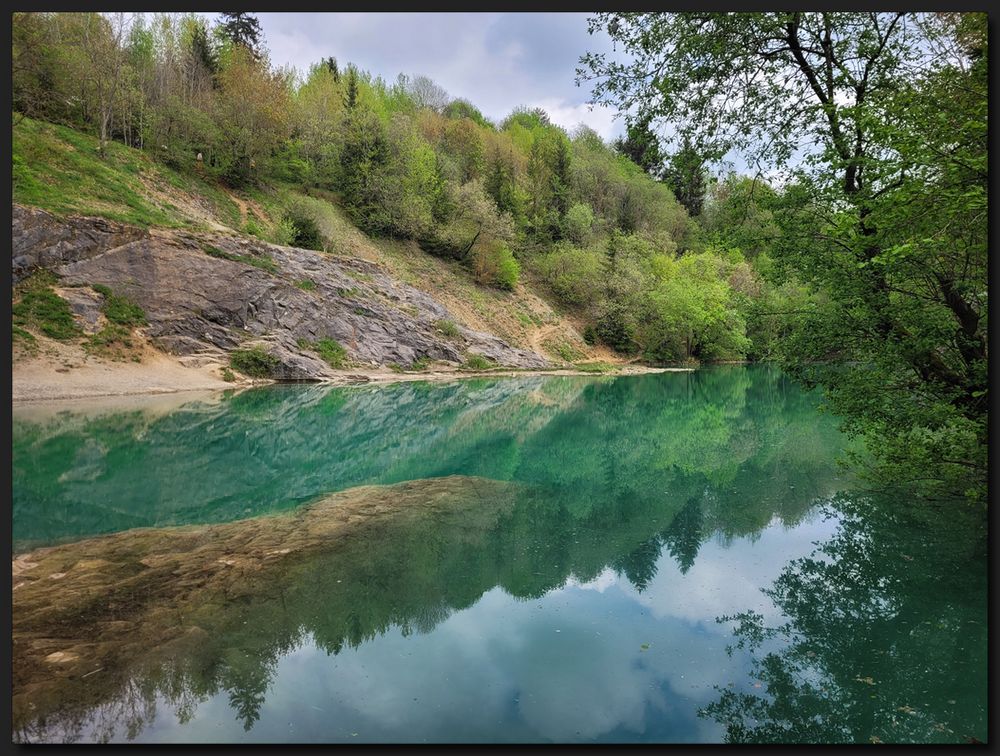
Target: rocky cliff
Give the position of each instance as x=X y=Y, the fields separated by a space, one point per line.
x=209 y=293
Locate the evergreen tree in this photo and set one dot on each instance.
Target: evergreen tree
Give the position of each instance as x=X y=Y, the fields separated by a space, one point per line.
x=351 y=96
x=331 y=63
x=561 y=177
x=685 y=175
x=243 y=29
x=202 y=50
x=641 y=146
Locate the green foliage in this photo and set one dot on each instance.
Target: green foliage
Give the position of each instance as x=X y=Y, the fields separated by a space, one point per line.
x=228 y=375
x=594 y=367
x=328 y=349
x=255 y=362
x=494 y=265
x=477 y=362
x=685 y=175
x=120 y=309
x=579 y=223
x=305 y=231
x=882 y=219
x=641 y=146
x=306 y=284
x=447 y=328
x=264 y=262
x=113 y=341
x=575 y=275
x=40 y=308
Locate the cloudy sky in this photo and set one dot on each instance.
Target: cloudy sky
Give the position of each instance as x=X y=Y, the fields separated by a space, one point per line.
x=497 y=61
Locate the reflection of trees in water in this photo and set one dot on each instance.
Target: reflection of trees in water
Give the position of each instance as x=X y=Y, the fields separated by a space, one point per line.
x=621 y=471
x=886 y=634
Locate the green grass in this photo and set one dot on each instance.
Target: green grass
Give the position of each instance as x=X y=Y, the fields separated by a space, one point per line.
x=447 y=328
x=42 y=309
x=328 y=349
x=306 y=284
x=113 y=341
x=120 y=309
x=595 y=367
x=264 y=262
x=228 y=375
x=566 y=351
x=478 y=362
x=255 y=362
x=59 y=169
x=420 y=364
x=23 y=338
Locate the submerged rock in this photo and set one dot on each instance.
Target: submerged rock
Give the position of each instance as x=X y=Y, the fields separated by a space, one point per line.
x=215 y=292
x=142 y=606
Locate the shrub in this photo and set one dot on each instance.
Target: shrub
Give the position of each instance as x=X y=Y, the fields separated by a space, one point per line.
x=283 y=233
x=328 y=349
x=478 y=362
x=255 y=362
x=305 y=231
x=228 y=375
x=578 y=223
x=574 y=275
x=617 y=328
x=494 y=265
x=420 y=364
x=447 y=328
x=306 y=284
x=332 y=352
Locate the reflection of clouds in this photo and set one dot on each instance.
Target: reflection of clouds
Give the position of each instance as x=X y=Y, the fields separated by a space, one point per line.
x=585 y=661
x=726 y=579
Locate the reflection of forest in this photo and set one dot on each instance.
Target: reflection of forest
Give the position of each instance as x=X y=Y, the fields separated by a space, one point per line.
x=607 y=473
x=887 y=633
x=743 y=433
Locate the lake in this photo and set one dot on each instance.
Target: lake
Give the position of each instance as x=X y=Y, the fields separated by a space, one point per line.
x=662 y=558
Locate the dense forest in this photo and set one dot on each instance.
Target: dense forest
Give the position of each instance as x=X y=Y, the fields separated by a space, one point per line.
x=855 y=255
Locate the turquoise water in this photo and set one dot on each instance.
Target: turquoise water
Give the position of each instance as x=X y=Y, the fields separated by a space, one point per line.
x=667 y=558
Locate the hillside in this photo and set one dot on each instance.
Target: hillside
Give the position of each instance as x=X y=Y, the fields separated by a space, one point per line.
x=212 y=290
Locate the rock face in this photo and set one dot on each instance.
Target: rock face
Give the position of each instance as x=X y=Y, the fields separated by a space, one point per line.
x=42 y=241
x=201 y=294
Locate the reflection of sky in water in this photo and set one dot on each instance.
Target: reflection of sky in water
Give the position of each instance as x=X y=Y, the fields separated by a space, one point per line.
x=569 y=666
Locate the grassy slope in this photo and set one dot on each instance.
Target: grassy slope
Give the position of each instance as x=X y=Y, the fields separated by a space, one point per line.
x=59 y=170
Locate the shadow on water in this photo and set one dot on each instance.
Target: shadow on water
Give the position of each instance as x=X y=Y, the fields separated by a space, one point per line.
x=516 y=484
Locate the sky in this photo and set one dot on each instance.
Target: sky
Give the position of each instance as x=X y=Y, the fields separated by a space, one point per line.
x=497 y=61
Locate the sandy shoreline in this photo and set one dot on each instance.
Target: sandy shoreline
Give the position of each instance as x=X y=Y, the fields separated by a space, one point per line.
x=68 y=373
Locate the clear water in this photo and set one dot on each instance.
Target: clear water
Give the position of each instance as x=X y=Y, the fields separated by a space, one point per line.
x=664 y=558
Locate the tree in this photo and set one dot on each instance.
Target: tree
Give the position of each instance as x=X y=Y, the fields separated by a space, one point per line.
x=426 y=94
x=252 y=114
x=828 y=97
x=351 y=94
x=243 y=29
x=101 y=39
x=641 y=146
x=331 y=65
x=685 y=175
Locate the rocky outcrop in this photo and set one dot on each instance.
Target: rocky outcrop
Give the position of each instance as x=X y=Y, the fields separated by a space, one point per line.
x=211 y=293
x=42 y=241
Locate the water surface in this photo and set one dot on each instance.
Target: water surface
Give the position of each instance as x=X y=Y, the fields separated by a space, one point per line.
x=662 y=558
